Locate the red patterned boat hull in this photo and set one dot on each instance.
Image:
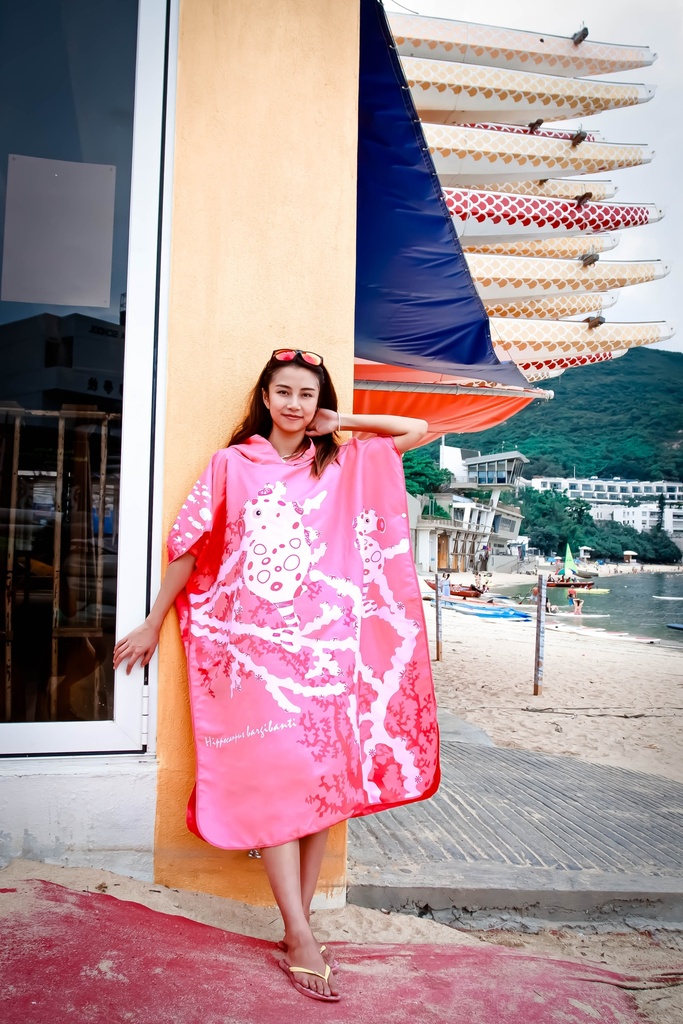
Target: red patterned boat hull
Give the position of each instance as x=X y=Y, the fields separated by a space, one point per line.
x=499 y=217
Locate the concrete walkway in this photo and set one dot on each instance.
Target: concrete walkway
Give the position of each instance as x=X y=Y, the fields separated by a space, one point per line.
x=525 y=834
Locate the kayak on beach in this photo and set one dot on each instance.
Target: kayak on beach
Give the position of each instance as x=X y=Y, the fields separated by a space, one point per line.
x=484 y=611
x=581 y=615
x=674 y=625
x=658 y=597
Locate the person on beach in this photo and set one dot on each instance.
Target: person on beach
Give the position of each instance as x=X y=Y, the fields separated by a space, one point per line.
x=571 y=596
x=578 y=605
x=309 y=671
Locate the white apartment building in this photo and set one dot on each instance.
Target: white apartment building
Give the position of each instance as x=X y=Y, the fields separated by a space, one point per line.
x=607 y=496
x=641 y=517
x=608 y=490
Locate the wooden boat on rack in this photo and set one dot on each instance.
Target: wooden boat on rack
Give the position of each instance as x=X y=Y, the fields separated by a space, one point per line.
x=543 y=340
x=446 y=93
x=465 y=156
x=492 y=45
x=553 y=308
x=555 y=188
x=510 y=278
x=556 y=247
x=498 y=217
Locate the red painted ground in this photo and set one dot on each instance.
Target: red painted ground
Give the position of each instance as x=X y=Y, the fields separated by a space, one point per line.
x=84 y=957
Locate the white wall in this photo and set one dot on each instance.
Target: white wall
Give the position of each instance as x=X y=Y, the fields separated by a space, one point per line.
x=451 y=459
x=86 y=812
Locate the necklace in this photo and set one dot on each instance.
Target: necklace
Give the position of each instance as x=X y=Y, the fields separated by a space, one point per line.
x=294 y=455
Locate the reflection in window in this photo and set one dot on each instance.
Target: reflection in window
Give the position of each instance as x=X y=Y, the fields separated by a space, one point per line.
x=70 y=68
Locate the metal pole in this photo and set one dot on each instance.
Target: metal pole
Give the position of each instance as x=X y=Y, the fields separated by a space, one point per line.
x=57 y=570
x=439 y=622
x=540 y=635
x=9 y=582
x=99 y=690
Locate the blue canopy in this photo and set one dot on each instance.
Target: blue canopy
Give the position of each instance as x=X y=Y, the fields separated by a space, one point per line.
x=416 y=304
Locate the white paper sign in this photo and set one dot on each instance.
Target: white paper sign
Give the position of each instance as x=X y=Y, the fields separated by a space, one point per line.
x=59 y=229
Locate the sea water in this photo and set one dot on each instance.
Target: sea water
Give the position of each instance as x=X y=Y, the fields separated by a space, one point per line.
x=632 y=604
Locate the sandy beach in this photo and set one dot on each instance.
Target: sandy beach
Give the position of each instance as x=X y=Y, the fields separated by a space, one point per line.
x=630 y=952
x=609 y=701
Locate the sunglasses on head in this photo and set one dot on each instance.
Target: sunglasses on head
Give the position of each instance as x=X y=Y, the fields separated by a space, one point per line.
x=285 y=355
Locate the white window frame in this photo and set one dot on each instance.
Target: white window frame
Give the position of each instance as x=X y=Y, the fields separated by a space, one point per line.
x=146 y=319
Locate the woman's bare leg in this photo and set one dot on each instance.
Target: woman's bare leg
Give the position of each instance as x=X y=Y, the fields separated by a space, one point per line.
x=283 y=867
x=312 y=852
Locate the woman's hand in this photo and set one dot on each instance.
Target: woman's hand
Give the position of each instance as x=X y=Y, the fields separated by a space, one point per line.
x=325 y=421
x=139 y=645
x=407 y=432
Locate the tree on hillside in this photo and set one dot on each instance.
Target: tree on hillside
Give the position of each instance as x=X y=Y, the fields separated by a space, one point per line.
x=580 y=511
x=661 y=505
x=662 y=548
x=422 y=473
x=618 y=418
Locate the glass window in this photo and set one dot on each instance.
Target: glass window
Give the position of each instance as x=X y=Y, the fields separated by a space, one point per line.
x=65 y=154
x=647 y=490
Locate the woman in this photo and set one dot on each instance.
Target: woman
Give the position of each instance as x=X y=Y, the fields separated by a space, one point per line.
x=308 y=665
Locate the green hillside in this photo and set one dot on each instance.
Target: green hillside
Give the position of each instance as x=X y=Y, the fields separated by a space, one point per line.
x=621 y=418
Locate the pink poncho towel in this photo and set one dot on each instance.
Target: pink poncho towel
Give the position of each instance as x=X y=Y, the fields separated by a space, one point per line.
x=309 y=670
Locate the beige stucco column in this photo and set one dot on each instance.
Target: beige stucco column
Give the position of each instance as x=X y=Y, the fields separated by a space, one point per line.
x=263 y=255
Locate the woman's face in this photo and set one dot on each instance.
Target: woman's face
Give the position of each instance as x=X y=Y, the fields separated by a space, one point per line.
x=292 y=398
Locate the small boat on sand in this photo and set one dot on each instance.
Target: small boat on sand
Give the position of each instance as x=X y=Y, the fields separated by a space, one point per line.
x=570 y=575
x=577 y=584
x=470 y=591
x=485 y=611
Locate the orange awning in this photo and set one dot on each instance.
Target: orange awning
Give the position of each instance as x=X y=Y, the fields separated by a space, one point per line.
x=449 y=404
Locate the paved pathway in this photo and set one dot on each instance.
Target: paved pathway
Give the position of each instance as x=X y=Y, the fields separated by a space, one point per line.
x=552 y=837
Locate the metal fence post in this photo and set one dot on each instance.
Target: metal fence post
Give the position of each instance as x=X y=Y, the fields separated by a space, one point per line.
x=439 y=623
x=540 y=635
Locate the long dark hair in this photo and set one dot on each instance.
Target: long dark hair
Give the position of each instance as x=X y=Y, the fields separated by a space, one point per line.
x=259 y=421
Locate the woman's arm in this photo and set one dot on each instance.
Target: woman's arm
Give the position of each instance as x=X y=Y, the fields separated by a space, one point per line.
x=406 y=432
x=141 y=643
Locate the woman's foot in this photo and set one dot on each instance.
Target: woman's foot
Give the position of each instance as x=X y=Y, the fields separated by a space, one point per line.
x=326 y=953
x=304 y=951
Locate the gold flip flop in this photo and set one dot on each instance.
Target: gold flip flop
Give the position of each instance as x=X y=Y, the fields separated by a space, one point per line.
x=290 y=971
